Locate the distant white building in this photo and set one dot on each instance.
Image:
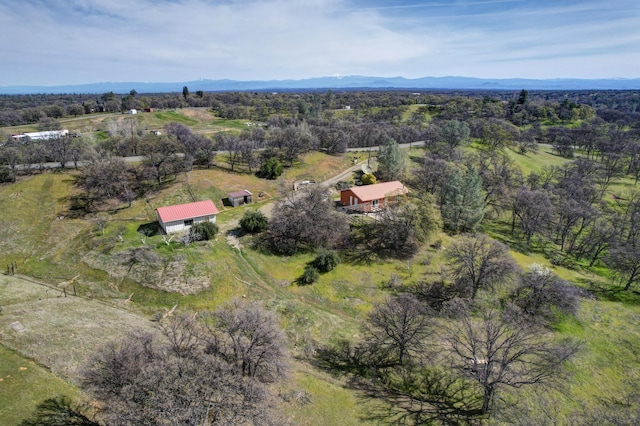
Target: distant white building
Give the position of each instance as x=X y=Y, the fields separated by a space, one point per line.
x=132 y=111
x=37 y=136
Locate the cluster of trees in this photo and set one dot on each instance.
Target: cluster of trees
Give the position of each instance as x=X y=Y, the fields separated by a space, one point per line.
x=565 y=210
x=307 y=220
x=296 y=123
x=375 y=106
x=28 y=109
x=213 y=369
x=452 y=351
x=107 y=176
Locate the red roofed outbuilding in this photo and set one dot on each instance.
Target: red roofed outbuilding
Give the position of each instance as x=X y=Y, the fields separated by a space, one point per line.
x=372 y=197
x=182 y=216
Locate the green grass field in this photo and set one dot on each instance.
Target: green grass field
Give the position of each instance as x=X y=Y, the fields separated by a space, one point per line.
x=536 y=161
x=41 y=359
x=24 y=384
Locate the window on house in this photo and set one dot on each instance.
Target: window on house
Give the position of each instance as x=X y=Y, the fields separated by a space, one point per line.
x=375 y=203
x=188 y=222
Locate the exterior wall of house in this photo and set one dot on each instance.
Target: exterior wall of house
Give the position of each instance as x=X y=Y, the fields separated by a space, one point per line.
x=349 y=199
x=183 y=225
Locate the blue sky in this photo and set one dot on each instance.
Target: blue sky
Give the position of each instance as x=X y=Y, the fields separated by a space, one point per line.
x=52 y=42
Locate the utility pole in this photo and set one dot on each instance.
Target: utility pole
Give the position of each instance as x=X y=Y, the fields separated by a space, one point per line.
x=133 y=146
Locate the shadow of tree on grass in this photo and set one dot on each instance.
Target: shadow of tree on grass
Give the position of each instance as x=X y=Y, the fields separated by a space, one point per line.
x=410 y=393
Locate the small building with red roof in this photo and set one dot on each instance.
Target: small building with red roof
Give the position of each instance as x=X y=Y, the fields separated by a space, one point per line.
x=372 y=197
x=182 y=216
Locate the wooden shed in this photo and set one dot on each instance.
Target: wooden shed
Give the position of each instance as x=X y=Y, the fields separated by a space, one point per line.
x=239 y=198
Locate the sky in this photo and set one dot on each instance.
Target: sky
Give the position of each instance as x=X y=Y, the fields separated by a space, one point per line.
x=57 y=42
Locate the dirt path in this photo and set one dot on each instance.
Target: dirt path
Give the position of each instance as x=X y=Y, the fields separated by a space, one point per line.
x=342 y=176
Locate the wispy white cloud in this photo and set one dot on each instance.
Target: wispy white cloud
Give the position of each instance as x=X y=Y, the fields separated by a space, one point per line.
x=50 y=42
x=443 y=4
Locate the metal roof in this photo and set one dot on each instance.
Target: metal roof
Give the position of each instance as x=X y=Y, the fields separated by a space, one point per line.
x=237 y=194
x=379 y=190
x=187 y=211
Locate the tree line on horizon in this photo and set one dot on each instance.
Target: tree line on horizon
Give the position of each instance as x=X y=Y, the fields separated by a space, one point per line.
x=612 y=106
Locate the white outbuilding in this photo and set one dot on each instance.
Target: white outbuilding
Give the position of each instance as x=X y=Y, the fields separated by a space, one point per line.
x=181 y=217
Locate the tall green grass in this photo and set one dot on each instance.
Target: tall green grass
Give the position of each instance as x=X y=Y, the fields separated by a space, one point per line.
x=173 y=116
x=25 y=384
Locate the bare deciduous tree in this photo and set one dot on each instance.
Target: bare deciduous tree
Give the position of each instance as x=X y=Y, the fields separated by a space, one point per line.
x=624 y=258
x=231 y=144
x=432 y=175
x=497 y=352
x=396 y=330
x=304 y=220
x=248 y=149
x=161 y=157
x=250 y=339
x=105 y=178
x=191 y=372
x=532 y=211
x=60 y=149
x=543 y=296
x=478 y=262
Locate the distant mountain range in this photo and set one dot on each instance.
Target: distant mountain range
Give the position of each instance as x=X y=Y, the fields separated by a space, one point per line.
x=343 y=83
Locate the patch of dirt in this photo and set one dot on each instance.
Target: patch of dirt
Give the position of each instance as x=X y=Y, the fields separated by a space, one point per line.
x=233 y=240
x=199 y=114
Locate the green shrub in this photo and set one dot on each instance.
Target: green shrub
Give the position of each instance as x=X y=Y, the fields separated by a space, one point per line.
x=272 y=168
x=203 y=231
x=6 y=175
x=326 y=260
x=310 y=275
x=368 y=179
x=253 y=221
x=342 y=185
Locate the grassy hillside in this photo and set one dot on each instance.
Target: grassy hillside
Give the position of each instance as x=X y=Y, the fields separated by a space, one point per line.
x=24 y=384
x=47 y=240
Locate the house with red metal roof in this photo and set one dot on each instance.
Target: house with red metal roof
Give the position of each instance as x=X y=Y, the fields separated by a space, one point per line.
x=372 y=197
x=181 y=217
